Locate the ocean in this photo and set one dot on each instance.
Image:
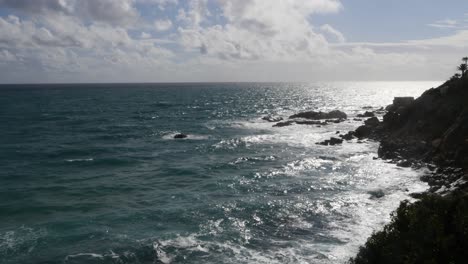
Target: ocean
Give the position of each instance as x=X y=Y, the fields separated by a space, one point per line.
x=91 y=173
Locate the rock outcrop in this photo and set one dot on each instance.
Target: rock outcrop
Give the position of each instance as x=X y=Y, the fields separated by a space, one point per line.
x=434 y=127
x=313 y=118
x=336 y=114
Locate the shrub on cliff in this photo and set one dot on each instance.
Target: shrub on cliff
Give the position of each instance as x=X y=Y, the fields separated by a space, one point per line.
x=432 y=230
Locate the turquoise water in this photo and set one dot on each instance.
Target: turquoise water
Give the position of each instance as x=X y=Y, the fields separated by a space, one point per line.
x=92 y=174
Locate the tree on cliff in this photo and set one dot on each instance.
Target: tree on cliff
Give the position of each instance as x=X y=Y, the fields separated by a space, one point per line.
x=463 y=67
x=465 y=59
x=456 y=76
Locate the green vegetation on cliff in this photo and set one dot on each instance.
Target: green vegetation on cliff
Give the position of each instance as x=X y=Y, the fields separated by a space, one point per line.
x=432 y=230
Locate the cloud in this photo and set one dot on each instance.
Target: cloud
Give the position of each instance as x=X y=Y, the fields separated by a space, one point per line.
x=110 y=11
x=204 y=40
x=162 y=4
x=446 y=23
x=337 y=35
x=145 y=35
x=251 y=33
x=163 y=25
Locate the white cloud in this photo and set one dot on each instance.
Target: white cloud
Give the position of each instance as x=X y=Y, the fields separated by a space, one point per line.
x=145 y=35
x=283 y=32
x=215 y=40
x=446 y=23
x=163 y=25
x=337 y=35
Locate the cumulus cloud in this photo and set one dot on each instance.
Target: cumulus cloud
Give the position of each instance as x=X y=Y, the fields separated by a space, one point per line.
x=202 y=40
x=283 y=32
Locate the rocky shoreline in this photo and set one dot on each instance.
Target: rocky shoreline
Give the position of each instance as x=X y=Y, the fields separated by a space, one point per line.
x=428 y=132
x=431 y=132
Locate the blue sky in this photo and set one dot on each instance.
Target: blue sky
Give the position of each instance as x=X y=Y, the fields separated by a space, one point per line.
x=230 y=40
x=395 y=20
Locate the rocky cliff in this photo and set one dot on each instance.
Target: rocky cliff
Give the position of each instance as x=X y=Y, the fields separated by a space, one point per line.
x=431 y=130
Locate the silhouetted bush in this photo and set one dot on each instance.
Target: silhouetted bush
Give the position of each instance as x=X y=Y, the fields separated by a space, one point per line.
x=432 y=230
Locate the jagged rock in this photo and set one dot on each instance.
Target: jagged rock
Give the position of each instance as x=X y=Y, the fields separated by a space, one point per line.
x=180 y=136
x=400 y=103
x=336 y=114
x=309 y=122
x=366 y=114
x=348 y=136
x=283 y=124
x=363 y=131
x=272 y=118
x=335 y=141
x=332 y=141
x=373 y=121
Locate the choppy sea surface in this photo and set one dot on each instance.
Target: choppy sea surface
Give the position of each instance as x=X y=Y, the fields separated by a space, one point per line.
x=92 y=174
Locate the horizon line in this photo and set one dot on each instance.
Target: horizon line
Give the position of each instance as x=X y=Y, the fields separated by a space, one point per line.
x=206 y=82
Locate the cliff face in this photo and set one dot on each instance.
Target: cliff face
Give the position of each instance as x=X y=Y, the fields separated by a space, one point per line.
x=434 y=127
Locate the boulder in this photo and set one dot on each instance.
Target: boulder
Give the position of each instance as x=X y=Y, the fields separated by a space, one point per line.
x=335 y=141
x=283 y=124
x=180 y=136
x=373 y=121
x=363 y=131
x=332 y=141
x=336 y=114
x=348 y=136
x=376 y=194
x=366 y=114
x=310 y=122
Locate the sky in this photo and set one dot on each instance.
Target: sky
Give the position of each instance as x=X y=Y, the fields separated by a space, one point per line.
x=68 y=41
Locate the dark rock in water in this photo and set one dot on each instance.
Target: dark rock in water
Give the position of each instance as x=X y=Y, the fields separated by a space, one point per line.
x=373 y=121
x=283 y=124
x=376 y=194
x=366 y=114
x=180 y=136
x=272 y=118
x=335 y=141
x=348 y=136
x=357 y=119
x=336 y=114
x=308 y=122
x=332 y=141
x=363 y=131
x=336 y=121
x=367 y=107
